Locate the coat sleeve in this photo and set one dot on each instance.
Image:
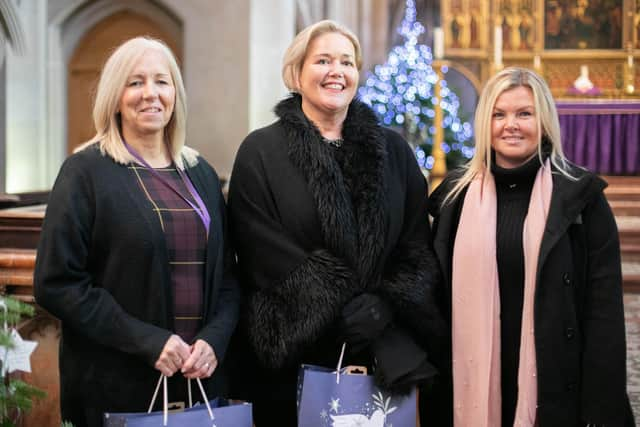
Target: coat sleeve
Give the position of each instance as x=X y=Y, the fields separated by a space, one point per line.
x=604 y=377
x=63 y=284
x=225 y=302
x=293 y=294
x=412 y=274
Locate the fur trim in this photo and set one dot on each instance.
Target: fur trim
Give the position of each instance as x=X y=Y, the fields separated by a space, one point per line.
x=351 y=203
x=286 y=317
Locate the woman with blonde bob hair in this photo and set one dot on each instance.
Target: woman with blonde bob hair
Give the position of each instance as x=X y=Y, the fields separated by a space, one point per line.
x=133 y=258
x=529 y=249
x=326 y=215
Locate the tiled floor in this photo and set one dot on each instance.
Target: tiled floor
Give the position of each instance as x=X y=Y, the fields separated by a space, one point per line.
x=632 y=315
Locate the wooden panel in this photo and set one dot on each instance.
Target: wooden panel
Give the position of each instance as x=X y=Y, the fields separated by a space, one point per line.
x=20 y=227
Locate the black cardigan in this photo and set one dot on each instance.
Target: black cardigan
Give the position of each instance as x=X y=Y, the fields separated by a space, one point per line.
x=309 y=237
x=102 y=269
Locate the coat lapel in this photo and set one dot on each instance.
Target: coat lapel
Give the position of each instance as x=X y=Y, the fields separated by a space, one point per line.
x=351 y=204
x=567 y=202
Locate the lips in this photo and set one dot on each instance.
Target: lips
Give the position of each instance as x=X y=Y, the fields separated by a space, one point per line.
x=333 y=85
x=151 y=110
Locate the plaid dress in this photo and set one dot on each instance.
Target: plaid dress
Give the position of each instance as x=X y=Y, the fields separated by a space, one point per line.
x=186 y=240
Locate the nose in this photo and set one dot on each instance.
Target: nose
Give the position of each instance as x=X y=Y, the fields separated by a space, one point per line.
x=336 y=71
x=512 y=123
x=149 y=90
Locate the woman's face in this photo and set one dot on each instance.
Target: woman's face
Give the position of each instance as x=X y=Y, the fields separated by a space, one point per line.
x=149 y=96
x=329 y=76
x=514 y=127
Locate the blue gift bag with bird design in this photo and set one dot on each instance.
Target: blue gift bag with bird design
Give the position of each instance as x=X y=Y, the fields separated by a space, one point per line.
x=214 y=413
x=335 y=398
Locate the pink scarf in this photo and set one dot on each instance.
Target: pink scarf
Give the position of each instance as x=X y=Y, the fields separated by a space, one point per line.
x=476 y=306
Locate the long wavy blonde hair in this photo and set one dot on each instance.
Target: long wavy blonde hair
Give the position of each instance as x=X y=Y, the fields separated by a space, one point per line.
x=546 y=120
x=111 y=85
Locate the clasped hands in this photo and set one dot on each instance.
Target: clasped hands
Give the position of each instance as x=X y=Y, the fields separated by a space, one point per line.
x=194 y=361
x=368 y=324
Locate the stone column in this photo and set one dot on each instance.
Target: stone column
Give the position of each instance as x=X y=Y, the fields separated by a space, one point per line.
x=27 y=165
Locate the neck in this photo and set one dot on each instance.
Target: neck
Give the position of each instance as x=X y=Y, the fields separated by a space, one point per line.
x=151 y=148
x=330 y=126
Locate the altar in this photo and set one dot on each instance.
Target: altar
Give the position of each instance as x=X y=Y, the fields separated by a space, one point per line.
x=602 y=135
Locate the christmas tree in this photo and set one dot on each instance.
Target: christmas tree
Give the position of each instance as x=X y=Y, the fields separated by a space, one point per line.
x=401 y=92
x=15 y=395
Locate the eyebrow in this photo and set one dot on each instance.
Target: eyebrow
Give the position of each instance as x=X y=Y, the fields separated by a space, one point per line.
x=518 y=109
x=344 y=55
x=141 y=75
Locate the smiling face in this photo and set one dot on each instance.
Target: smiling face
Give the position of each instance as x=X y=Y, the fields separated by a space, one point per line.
x=514 y=127
x=328 y=78
x=148 y=98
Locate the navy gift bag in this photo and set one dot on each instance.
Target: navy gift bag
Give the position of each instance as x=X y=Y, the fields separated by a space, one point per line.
x=212 y=413
x=333 y=398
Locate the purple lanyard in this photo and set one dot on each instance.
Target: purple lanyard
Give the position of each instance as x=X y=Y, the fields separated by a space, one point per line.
x=201 y=209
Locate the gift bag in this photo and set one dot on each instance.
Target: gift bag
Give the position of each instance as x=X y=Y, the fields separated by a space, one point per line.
x=215 y=412
x=334 y=398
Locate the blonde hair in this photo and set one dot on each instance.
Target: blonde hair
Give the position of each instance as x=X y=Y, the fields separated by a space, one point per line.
x=546 y=119
x=111 y=86
x=297 y=51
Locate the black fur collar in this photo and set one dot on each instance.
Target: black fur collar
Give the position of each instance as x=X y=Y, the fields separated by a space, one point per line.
x=351 y=203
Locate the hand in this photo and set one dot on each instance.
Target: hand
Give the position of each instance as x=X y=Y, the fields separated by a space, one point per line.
x=364 y=319
x=202 y=361
x=173 y=355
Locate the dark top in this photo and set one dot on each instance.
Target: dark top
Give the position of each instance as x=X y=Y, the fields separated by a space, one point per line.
x=186 y=239
x=103 y=270
x=513 y=188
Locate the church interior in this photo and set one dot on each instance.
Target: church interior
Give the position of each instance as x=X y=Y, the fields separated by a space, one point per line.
x=230 y=53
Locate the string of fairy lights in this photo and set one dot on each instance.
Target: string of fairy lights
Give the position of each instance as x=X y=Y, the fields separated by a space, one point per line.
x=401 y=93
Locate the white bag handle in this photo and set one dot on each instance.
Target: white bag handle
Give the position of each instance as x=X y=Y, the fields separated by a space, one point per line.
x=165 y=398
x=339 y=367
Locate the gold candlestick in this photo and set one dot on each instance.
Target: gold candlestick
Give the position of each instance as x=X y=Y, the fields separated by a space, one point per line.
x=439 y=169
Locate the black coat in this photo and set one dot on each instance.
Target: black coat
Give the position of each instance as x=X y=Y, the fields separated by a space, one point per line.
x=102 y=269
x=310 y=237
x=578 y=313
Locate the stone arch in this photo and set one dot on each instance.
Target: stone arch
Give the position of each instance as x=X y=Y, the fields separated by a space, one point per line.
x=65 y=31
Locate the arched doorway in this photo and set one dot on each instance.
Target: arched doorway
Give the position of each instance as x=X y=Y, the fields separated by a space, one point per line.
x=87 y=61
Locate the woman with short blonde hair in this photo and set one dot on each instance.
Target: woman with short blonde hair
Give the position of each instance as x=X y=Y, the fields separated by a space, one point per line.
x=296 y=52
x=328 y=216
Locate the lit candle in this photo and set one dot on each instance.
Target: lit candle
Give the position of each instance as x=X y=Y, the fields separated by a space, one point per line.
x=630 y=60
x=584 y=71
x=438 y=43
x=497 y=46
x=536 y=62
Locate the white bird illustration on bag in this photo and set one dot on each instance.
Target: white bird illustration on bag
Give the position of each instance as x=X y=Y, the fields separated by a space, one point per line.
x=358 y=420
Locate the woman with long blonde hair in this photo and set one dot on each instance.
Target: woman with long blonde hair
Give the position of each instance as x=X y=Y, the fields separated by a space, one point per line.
x=530 y=253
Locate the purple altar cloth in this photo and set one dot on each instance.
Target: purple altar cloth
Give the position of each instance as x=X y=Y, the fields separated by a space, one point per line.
x=602 y=136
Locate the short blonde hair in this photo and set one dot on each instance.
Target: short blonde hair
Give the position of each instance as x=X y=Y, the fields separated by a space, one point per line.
x=111 y=86
x=297 y=51
x=546 y=116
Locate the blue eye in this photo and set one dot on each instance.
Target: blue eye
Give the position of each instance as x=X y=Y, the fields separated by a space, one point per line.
x=135 y=83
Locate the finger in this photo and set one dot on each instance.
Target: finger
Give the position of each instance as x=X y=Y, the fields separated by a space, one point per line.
x=200 y=354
